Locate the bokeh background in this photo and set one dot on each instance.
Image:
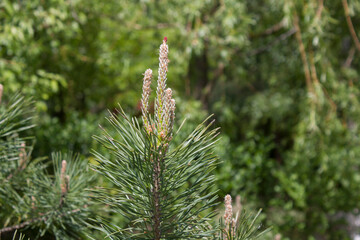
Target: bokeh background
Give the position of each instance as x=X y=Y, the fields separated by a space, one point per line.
x=280 y=76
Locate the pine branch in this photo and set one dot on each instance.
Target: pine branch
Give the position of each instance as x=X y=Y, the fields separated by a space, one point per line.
x=243 y=227
x=34 y=220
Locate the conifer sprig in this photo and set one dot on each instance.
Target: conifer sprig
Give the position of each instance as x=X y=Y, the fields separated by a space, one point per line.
x=62 y=199
x=30 y=197
x=162 y=190
x=16 y=116
x=242 y=227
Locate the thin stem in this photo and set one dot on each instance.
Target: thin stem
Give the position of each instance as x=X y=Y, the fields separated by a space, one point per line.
x=350 y=25
x=157 y=210
x=320 y=8
x=24 y=224
x=316 y=80
x=303 y=53
x=350 y=58
x=21 y=225
x=275 y=28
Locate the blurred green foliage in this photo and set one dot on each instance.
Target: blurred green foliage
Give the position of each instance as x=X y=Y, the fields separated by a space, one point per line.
x=289 y=141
